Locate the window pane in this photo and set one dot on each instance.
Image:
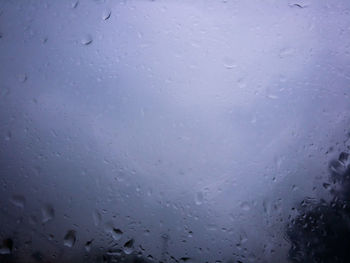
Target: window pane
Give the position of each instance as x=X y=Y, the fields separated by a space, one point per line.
x=174 y=131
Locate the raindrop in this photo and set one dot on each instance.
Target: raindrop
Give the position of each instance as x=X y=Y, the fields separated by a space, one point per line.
x=4 y=92
x=106 y=14
x=272 y=96
x=69 y=238
x=75 y=4
x=116 y=234
x=88 y=245
x=326 y=186
x=337 y=167
x=4 y=251
x=245 y=206
x=229 y=63
x=8 y=136
x=128 y=247
x=114 y=252
x=241 y=83
x=344 y=158
x=199 y=198
x=97 y=218
x=6 y=247
x=86 y=40
x=286 y=52
x=18 y=200
x=146 y=232
x=298 y=5
x=48 y=213
x=185 y=259
x=22 y=78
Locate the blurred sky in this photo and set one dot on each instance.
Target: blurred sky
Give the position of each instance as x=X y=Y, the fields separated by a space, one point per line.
x=204 y=120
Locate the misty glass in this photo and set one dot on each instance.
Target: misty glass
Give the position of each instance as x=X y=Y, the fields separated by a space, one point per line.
x=166 y=131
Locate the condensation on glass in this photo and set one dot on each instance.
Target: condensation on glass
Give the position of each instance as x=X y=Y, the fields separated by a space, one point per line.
x=168 y=131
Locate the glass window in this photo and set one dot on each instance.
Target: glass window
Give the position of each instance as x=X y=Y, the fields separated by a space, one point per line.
x=174 y=131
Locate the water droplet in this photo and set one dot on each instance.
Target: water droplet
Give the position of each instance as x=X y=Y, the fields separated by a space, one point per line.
x=116 y=234
x=4 y=92
x=114 y=252
x=4 y=251
x=199 y=198
x=8 y=136
x=272 y=96
x=6 y=248
x=344 y=159
x=75 y=4
x=146 y=232
x=128 y=247
x=286 y=52
x=186 y=259
x=88 y=245
x=245 y=206
x=97 y=218
x=18 y=200
x=326 y=186
x=69 y=238
x=106 y=14
x=22 y=78
x=241 y=83
x=298 y=5
x=337 y=167
x=229 y=63
x=86 y=40
x=48 y=213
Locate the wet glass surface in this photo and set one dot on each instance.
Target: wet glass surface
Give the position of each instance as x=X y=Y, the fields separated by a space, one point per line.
x=174 y=131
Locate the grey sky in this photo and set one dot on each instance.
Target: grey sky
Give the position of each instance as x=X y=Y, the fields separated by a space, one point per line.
x=171 y=116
